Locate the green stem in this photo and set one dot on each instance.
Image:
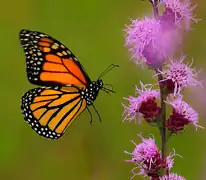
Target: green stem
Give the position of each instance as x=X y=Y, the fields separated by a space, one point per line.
x=155 y=8
x=163 y=96
x=162 y=118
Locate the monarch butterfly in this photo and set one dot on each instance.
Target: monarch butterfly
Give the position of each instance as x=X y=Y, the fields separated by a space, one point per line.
x=67 y=90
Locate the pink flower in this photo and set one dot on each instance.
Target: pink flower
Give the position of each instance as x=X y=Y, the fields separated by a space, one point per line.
x=182 y=75
x=180 y=11
x=172 y=176
x=142 y=106
x=183 y=114
x=144 y=151
x=153 y=167
x=151 y=41
x=148 y=160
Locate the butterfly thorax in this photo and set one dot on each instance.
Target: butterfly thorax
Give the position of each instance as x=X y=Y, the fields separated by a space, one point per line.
x=91 y=91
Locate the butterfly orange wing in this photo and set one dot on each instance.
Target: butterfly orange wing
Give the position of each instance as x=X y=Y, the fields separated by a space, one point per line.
x=50 y=110
x=49 y=62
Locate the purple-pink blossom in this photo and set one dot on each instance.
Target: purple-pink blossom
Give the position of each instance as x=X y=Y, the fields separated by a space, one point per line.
x=144 y=151
x=172 y=176
x=181 y=74
x=183 y=114
x=151 y=41
x=180 y=11
x=148 y=160
x=142 y=105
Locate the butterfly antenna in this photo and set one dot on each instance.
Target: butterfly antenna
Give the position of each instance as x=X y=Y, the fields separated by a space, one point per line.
x=100 y=119
x=109 y=68
x=109 y=85
x=107 y=90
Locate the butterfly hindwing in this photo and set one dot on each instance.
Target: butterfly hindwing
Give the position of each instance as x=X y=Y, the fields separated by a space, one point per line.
x=50 y=110
x=49 y=62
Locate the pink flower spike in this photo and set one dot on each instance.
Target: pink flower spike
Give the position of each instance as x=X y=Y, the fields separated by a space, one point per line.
x=181 y=10
x=172 y=176
x=182 y=75
x=181 y=108
x=133 y=111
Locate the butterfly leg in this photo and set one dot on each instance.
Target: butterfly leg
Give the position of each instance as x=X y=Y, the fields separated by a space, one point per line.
x=100 y=119
x=90 y=115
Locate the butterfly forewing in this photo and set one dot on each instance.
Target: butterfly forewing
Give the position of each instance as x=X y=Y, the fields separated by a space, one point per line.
x=49 y=62
x=50 y=110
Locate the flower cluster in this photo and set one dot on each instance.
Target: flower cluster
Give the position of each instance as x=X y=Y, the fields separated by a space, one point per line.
x=147 y=158
x=180 y=75
x=143 y=106
x=182 y=115
x=179 y=12
x=172 y=176
x=153 y=41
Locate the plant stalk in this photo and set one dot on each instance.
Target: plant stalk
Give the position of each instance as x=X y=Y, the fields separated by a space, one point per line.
x=162 y=98
x=162 y=118
x=155 y=8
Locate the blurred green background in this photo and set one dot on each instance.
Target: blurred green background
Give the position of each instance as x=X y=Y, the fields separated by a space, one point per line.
x=94 y=31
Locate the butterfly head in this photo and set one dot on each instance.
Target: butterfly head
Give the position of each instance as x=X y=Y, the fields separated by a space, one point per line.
x=95 y=86
x=99 y=83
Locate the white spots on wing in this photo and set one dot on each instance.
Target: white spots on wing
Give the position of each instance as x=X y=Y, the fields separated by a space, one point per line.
x=29 y=40
x=41 y=35
x=29 y=117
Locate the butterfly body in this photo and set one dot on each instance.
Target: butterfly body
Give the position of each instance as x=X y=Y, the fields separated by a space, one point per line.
x=91 y=91
x=67 y=89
